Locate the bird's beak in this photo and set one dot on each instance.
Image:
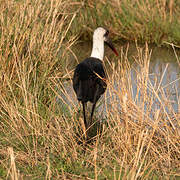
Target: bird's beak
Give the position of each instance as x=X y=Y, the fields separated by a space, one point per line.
x=109 y=43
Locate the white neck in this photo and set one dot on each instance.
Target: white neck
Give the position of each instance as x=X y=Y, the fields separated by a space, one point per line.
x=98 y=48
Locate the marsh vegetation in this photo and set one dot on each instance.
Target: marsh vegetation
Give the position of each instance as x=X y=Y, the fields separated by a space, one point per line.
x=40 y=137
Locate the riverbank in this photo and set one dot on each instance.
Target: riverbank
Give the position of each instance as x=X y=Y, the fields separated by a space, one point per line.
x=145 y=21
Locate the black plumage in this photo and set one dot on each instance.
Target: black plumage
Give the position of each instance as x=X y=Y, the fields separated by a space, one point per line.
x=89 y=82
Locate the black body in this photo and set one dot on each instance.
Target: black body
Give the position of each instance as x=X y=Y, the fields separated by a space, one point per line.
x=89 y=82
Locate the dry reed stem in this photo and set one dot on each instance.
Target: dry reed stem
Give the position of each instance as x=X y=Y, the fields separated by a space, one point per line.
x=12 y=169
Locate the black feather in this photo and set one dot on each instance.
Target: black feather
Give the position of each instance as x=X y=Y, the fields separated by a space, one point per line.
x=89 y=80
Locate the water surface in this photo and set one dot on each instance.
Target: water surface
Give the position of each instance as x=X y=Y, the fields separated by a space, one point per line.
x=163 y=71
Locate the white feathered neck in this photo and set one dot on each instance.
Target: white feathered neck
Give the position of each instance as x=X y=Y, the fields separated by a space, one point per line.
x=98 y=43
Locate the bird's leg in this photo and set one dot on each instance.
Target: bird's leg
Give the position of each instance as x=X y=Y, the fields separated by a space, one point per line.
x=84 y=114
x=92 y=112
x=94 y=103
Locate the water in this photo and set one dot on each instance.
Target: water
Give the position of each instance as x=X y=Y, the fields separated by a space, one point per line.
x=165 y=80
x=163 y=73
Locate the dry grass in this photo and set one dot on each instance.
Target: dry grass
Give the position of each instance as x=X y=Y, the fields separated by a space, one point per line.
x=145 y=130
x=41 y=135
x=137 y=139
x=139 y=135
x=32 y=48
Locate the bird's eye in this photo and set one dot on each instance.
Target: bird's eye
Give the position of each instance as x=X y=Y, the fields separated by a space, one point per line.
x=106 y=34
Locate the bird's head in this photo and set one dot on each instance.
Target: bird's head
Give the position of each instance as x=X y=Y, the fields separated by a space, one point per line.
x=102 y=34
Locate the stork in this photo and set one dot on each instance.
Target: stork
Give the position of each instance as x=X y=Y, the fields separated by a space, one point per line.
x=89 y=80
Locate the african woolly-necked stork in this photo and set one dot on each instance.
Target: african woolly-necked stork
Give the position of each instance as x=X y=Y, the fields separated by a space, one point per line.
x=89 y=80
